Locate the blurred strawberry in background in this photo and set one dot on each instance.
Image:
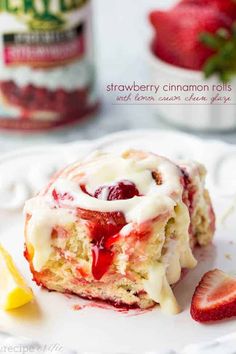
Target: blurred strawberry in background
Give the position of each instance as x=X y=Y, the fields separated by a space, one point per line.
x=178 y=31
x=197 y=35
x=226 y=6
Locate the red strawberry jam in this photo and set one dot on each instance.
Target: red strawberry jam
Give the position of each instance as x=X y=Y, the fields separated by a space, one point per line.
x=58 y=196
x=189 y=190
x=105 y=227
x=121 y=190
x=40 y=99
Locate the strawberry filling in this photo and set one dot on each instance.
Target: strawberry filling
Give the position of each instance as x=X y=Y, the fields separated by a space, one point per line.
x=59 y=232
x=189 y=191
x=104 y=231
x=58 y=196
x=121 y=190
x=33 y=98
x=105 y=227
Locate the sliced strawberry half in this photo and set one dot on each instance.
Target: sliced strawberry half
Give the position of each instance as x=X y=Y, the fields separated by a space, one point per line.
x=214 y=298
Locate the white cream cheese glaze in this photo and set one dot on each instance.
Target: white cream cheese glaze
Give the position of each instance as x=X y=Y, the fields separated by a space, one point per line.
x=168 y=270
x=40 y=227
x=154 y=201
x=159 y=289
x=108 y=169
x=138 y=209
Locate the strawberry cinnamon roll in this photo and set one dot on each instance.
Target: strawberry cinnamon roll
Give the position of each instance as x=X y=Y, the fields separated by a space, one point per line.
x=119 y=228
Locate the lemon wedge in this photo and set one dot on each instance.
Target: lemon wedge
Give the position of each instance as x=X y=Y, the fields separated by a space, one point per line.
x=14 y=291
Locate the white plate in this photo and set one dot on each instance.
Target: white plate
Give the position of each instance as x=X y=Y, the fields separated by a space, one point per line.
x=52 y=319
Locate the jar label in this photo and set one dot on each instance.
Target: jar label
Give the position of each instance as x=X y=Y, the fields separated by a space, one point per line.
x=46 y=62
x=43 y=49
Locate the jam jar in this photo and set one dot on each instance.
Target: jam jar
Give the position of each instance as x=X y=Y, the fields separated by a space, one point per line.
x=47 y=75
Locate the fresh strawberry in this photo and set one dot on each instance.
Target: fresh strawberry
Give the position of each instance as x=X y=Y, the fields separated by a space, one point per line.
x=214 y=298
x=163 y=51
x=178 y=34
x=226 y=6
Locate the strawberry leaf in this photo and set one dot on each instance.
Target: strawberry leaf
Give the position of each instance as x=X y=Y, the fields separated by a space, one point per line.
x=223 y=62
x=210 y=40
